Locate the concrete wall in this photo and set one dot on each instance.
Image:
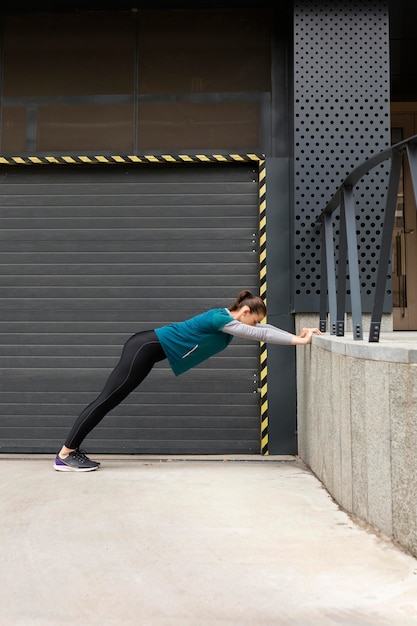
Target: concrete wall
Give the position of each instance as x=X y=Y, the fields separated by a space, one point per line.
x=357 y=427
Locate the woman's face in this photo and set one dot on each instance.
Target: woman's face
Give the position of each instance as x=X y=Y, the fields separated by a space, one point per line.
x=251 y=319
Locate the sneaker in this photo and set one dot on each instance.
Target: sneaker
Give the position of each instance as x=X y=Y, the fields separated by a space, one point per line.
x=76 y=461
x=83 y=452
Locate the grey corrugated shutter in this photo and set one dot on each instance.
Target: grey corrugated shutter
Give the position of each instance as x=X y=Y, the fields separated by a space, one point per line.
x=91 y=254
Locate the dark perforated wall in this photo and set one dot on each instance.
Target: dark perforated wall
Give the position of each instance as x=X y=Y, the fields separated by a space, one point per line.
x=341 y=117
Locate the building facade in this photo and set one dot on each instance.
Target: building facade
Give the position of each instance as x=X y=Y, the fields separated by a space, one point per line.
x=155 y=160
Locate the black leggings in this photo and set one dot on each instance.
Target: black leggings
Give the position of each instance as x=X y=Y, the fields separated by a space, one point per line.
x=140 y=353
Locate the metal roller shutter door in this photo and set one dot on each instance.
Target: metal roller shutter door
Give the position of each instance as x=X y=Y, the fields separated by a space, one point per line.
x=91 y=254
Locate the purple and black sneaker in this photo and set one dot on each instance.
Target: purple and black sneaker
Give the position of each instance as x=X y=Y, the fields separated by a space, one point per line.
x=76 y=461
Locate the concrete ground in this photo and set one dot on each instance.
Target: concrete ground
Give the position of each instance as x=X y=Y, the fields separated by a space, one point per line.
x=192 y=542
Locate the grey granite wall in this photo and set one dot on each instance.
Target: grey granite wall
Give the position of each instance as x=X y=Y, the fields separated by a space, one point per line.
x=357 y=426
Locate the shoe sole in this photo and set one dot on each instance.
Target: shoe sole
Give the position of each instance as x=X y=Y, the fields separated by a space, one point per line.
x=66 y=468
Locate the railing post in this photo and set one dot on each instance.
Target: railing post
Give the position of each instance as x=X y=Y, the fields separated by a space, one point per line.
x=323 y=280
x=331 y=274
x=386 y=243
x=342 y=271
x=352 y=249
x=412 y=162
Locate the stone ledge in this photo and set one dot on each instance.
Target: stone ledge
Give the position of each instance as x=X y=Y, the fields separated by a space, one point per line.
x=393 y=347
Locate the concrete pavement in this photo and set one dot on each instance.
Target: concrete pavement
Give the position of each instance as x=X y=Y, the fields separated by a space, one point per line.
x=192 y=542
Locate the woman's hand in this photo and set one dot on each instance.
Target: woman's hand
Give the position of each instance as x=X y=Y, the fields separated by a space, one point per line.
x=305 y=336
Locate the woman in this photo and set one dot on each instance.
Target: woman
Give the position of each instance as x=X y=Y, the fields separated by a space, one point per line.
x=185 y=345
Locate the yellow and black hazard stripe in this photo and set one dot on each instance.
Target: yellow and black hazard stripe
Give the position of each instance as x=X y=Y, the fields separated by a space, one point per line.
x=150 y=158
x=262 y=291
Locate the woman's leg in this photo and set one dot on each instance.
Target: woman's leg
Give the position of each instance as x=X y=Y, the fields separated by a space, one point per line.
x=140 y=353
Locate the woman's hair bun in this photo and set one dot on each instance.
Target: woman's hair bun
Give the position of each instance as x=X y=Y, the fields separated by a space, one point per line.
x=246 y=298
x=243 y=295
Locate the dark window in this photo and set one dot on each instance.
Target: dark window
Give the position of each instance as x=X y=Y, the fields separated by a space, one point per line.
x=134 y=82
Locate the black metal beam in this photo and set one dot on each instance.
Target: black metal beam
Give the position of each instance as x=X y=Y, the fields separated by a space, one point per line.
x=331 y=273
x=386 y=244
x=341 y=272
x=352 y=247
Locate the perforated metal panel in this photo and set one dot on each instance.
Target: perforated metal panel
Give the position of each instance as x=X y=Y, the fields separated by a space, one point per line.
x=341 y=100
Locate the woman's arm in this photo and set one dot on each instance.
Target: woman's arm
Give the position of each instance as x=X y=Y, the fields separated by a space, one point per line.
x=269 y=334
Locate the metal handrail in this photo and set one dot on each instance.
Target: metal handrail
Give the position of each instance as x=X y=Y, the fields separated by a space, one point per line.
x=332 y=291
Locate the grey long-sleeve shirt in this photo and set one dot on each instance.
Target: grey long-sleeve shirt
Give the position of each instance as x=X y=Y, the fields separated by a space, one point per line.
x=261 y=332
